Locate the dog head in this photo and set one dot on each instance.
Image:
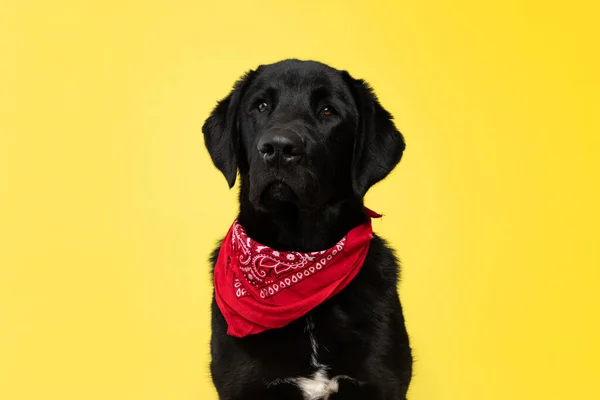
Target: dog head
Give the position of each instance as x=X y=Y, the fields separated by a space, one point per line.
x=304 y=133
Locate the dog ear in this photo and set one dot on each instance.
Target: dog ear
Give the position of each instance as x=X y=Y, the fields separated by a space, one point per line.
x=221 y=130
x=378 y=145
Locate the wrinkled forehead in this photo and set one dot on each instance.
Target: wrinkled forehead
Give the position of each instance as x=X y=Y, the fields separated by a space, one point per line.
x=300 y=82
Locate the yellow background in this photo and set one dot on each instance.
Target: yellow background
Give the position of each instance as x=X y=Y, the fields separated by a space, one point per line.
x=109 y=204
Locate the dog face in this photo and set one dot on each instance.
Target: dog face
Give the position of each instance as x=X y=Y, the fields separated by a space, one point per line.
x=304 y=133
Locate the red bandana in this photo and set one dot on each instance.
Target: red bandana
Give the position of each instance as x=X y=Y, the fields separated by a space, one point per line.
x=259 y=288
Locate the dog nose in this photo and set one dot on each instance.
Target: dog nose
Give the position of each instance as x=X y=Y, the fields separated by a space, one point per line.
x=281 y=148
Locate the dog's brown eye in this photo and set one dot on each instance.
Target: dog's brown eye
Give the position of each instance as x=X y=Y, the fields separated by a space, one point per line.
x=262 y=106
x=327 y=111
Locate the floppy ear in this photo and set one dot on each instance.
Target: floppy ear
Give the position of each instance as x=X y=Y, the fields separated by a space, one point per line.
x=221 y=131
x=378 y=145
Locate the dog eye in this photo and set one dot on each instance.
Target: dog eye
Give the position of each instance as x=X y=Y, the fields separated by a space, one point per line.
x=262 y=106
x=327 y=111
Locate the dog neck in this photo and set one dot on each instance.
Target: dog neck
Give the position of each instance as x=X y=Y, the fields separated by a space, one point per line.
x=290 y=228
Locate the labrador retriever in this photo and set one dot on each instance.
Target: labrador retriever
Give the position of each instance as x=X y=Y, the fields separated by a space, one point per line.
x=308 y=141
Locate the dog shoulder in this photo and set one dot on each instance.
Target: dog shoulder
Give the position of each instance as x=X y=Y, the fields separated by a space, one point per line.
x=382 y=264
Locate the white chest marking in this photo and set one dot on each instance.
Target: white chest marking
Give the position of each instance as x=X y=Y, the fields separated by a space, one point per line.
x=317 y=387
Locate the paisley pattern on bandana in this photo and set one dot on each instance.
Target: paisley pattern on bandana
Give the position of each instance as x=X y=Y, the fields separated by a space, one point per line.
x=271 y=271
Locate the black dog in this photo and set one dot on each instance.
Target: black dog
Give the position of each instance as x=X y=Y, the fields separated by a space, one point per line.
x=308 y=142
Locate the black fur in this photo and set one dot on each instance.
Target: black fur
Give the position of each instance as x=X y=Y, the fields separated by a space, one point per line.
x=309 y=205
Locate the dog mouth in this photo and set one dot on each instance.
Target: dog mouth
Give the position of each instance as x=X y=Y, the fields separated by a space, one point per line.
x=276 y=193
x=269 y=190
